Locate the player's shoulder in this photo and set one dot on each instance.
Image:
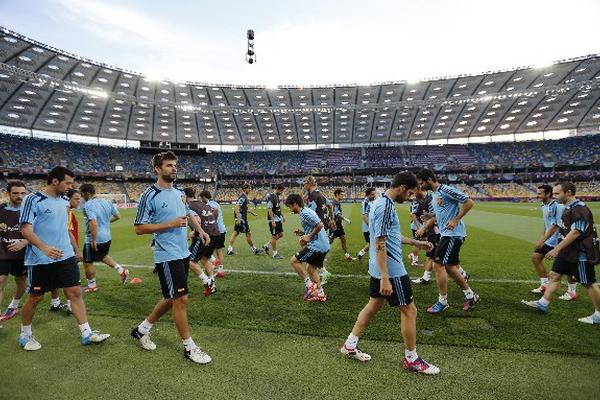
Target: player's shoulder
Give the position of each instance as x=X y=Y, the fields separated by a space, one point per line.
x=35 y=197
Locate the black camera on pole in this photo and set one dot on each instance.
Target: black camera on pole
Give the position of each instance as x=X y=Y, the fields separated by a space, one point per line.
x=250 y=54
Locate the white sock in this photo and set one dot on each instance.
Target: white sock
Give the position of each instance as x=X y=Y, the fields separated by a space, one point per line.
x=351 y=342
x=468 y=293
x=543 y=301
x=119 y=268
x=189 y=344
x=69 y=305
x=321 y=292
x=92 y=282
x=229 y=248
x=443 y=299
x=597 y=313
x=275 y=252
x=268 y=244
x=212 y=259
x=411 y=355
x=55 y=302
x=26 y=331
x=462 y=271
x=14 y=303
x=544 y=281
x=204 y=278
x=572 y=287
x=85 y=329
x=361 y=253
x=144 y=327
x=307 y=281
x=347 y=254
x=427 y=275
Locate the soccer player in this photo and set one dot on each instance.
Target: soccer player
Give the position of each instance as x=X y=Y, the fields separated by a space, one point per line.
x=51 y=256
x=220 y=242
x=12 y=247
x=74 y=199
x=446 y=201
x=315 y=247
x=338 y=232
x=365 y=207
x=240 y=214
x=163 y=213
x=275 y=220
x=199 y=252
x=389 y=280
x=576 y=253
x=432 y=235
x=98 y=215
x=316 y=201
x=416 y=213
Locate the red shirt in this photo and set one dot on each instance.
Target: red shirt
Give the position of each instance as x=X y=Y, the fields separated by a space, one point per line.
x=74 y=226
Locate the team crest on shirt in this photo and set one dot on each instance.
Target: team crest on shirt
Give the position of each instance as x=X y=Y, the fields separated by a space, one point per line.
x=440 y=201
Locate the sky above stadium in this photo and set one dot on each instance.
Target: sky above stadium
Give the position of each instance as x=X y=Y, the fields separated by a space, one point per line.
x=311 y=42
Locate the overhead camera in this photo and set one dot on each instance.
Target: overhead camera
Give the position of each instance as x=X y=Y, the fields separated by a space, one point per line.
x=250 y=54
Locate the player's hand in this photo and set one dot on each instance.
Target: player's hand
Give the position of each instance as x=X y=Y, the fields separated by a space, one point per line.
x=238 y=222
x=205 y=238
x=304 y=239
x=94 y=245
x=452 y=224
x=53 y=252
x=179 y=222
x=191 y=235
x=424 y=245
x=551 y=254
x=298 y=232
x=385 y=287
x=273 y=224
x=420 y=232
x=78 y=256
x=17 y=245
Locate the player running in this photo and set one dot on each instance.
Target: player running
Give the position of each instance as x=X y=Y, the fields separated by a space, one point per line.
x=220 y=242
x=389 y=279
x=275 y=220
x=240 y=214
x=51 y=256
x=446 y=202
x=98 y=215
x=365 y=207
x=315 y=247
x=163 y=213
x=338 y=217
x=576 y=253
x=12 y=247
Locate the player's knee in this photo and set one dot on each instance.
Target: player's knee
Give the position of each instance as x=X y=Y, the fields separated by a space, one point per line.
x=409 y=310
x=36 y=298
x=180 y=301
x=554 y=277
x=73 y=293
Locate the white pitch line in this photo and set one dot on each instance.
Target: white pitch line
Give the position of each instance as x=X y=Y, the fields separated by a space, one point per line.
x=345 y=276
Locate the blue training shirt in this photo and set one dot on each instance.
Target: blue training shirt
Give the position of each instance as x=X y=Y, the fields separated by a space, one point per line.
x=365 y=207
x=384 y=222
x=49 y=217
x=158 y=205
x=220 y=223
x=446 y=201
x=100 y=210
x=309 y=220
x=552 y=216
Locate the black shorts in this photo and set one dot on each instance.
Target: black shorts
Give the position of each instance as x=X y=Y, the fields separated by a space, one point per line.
x=367 y=236
x=402 y=291
x=89 y=255
x=173 y=276
x=278 y=228
x=338 y=232
x=45 y=277
x=543 y=250
x=198 y=250
x=13 y=267
x=243 y=227
x=435 y=240
x=312 y=257
x=414 y=232
x=448 y=250
x=219 y=241
x=582 y=271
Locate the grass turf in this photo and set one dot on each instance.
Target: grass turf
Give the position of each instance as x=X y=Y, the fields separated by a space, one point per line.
x=267 y=343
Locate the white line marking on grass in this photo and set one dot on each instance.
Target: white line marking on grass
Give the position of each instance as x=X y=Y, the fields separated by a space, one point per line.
x=345 y=276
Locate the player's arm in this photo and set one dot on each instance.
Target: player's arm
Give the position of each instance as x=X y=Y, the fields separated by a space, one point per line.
x=34 y=239
x=307 y=238
x=466 y=207
x=381 y=258
x=420 y=244
x=192 y=219
x=365 y=218
x=236 y=213
x=78 y=254
x=426 y=225
x=115 y=218
x=546 y=235
x=577 y=229
x=144 y=229
x=93 y=224
x=415 y=220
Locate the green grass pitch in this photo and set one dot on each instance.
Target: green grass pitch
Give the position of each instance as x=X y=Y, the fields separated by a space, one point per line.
x=267 y=343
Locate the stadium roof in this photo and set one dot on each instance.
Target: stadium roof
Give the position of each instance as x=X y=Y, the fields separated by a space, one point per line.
x=48 y=89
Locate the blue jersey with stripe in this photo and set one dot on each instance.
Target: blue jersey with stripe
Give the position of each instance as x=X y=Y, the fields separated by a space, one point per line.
x=552 y=216
x=384 y=222
x=365 y=207
x=49 y=217
x=158 y=205
x=446 y=201
x=220 y=223
x=309 y=220
x=100 y=210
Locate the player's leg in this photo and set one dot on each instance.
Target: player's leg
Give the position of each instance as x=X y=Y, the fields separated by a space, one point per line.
x=3 y=280
x=347 y=255
x=427 y=269
x=210 y=287
x=350 y=347
x=408 y=326
x=232 y=241
x=594 y=293
x=470 y=297
x=122 y=271
x=255 y=249
x=571 y=293
x=441 y=278
x=13 y=307
x=191 y=350
x=313 y=273
x=554 y=279
x=537 y=259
